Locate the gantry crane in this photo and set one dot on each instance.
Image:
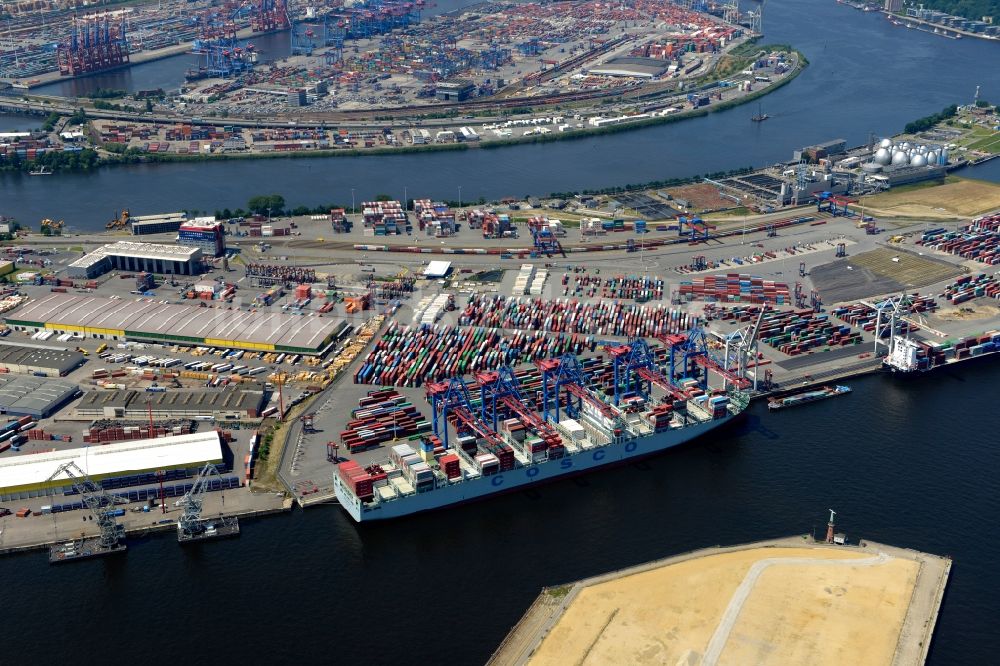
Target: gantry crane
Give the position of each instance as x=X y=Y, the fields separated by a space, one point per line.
x=191 y=526
x=101 y=504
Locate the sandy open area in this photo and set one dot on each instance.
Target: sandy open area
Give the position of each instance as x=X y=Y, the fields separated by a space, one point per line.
x=965 y=198
x=796 y=605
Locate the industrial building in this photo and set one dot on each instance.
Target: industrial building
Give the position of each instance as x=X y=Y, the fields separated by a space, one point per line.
x=643 y=68
x=34 y=396
x=204 y=233
x=148 y=321
x=132 y=256
x=156 y=224
x=39 y=361
x=26 y=476
x=222 y=405
x=455 y=90
x=814 y=154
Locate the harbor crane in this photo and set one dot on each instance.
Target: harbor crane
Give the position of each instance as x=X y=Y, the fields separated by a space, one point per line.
x=191 y=525
x=101 y=503
x=889 y=314
x=742 y=346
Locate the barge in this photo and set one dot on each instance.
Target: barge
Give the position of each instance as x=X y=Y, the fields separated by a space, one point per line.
x=83 y=549
x=797 y=399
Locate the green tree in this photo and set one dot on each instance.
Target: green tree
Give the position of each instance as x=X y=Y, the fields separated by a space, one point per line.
x=265 y=204
x=50 y=122
x=149 y=106
x=78 y=118
x=383 y=197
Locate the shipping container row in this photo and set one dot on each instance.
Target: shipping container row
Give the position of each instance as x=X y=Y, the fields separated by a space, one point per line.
x=562 y=315
x=979 y=240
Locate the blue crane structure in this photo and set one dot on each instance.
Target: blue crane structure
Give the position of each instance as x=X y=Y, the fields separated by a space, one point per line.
x=567 y=374
x=545 y=242
x=500 y=391
x=452 y=397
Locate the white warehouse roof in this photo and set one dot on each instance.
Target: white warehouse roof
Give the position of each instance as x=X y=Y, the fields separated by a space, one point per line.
x=139 y=251
x=104 y=460
x=436 y=269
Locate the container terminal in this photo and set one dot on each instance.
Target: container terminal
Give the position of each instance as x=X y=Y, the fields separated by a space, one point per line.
x=791 y=600
x=377 y=75
x=236 y=333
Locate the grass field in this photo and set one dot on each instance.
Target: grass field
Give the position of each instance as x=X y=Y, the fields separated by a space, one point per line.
x=960 y=198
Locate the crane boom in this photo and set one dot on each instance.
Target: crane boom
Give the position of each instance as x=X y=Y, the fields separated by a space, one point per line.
x=101 y=503
x=193 y=500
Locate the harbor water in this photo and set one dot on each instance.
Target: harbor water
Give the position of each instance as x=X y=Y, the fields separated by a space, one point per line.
x=909 y=463
x=865 y=77
x=917 y=470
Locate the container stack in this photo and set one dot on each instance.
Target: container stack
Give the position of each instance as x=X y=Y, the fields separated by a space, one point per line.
x=719 y=406
x=382 y=416
x=795 y=333
x=538 y=282
x=968 y=287
x=866 y=317
x=410 y=356
x=431 y=308
x=450 y=466
x=979 y=241
x=385 y=218
x=37 y=434
x=357 y=479
x=562 y=315
x=487 y=463
x=523 y=280
x=111 y=432
x=736 y=288
x=660 y=416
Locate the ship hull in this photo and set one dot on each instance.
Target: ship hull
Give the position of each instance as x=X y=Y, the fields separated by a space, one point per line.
x=480 y=488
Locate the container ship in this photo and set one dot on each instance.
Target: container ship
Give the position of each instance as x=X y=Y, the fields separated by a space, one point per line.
x=523 y=429
x=806 y=397
x=909 y=356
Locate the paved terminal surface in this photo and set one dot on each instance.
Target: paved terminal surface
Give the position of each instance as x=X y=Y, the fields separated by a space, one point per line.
x=788 y=601
x=37 y=530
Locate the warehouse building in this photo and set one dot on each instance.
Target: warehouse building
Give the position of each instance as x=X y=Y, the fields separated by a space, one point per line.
x=40 y=361
x=136 y=257
x=221 y=404
x=642 y=68
x=148 y=321
x=142 y=225
x=455 y=90
x=25 y=476
x=39 y=397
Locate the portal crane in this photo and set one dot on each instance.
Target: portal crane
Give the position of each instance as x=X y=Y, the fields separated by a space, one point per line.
x=499 y=388
x=190 y=524
x=452 y=397
x=566 y=373
x=741 y=346
x=101 y=503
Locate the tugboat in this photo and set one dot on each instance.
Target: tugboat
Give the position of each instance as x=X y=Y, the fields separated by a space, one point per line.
x=41 y=171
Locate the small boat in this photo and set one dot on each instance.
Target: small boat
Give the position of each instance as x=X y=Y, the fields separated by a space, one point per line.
x=760 y=116
x=807 y=396
x=40 y=171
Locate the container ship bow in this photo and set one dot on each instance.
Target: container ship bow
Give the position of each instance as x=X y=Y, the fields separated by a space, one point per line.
x=507 y=431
